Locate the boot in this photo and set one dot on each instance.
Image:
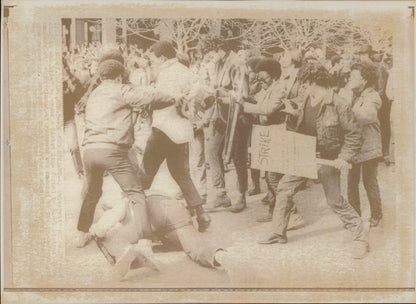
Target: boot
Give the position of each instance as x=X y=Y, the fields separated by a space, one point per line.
x=222 y=200
x=241 y=204
x=254 y=191
x=273 y=238
x=374 y=221
x=265 y=219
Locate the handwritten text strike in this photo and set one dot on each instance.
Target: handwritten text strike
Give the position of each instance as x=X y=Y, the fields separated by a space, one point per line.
x=264 y=150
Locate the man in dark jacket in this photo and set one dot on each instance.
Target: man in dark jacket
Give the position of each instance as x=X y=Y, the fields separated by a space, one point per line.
x=108 y=137
x=324 y=114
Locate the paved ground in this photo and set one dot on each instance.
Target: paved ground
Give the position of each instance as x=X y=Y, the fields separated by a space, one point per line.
x=316 y=256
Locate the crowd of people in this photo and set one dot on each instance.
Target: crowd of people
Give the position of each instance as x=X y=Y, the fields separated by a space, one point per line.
x=189 y=102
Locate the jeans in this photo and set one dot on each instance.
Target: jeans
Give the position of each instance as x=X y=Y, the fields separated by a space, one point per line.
x=116 y=162
x=330 y=178
x=160 y=147
x=197 y=159
x=369 y=170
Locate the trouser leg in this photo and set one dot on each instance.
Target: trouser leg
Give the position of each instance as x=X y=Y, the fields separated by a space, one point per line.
x=91 y=192
x=122 y=170
x=372 y=188
x=271 y=191
x=385 y=127
x=178 y=164
x=197 y=160
x=273 y=179
x=287 y=188
x=240 y=154
x=213 y=153
x=153 y=156
x=330 y=179
x=353 y=187
x=255 y=178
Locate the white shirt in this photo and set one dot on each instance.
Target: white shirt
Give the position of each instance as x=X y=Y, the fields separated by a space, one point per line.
x=175 y=79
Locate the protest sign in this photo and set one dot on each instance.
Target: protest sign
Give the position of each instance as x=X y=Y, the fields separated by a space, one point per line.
x=275 y=149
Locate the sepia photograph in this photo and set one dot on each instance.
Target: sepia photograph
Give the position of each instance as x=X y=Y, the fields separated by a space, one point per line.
x=201 y=148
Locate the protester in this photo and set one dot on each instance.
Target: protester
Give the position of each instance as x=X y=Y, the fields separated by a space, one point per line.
x=172 y=225
x=324 y=114
x=108 y=136
x=172 y=132
x=268 y=108
x=365 y=106
x=365 y=53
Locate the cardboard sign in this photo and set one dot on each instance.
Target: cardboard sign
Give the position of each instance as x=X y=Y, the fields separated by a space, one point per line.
x=275 y=149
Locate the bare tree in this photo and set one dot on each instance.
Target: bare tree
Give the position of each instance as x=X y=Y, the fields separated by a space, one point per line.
x=375 y=33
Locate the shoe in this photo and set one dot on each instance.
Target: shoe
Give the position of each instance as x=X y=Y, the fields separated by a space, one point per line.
x=204 y=220
x=296 y=221
x=265 y=219
x=268 y=199
x=83 y=239
x=221 y=201
x=253 y=191
x=360 y=249
x=374 y=221
x=240 y=206
x=274 y=238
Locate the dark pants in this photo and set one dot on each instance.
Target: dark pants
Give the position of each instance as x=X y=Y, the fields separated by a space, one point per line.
x=255 y=177
x=116 y=162
x=240 y=152
x=330 y=178
x=173 y=225
x=385 y=127
x=369 y=170
x=160 y=147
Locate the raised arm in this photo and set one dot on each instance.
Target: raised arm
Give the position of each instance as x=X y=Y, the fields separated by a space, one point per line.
x=147 y=98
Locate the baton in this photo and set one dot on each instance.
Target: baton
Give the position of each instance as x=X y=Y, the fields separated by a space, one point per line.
x=109 y=257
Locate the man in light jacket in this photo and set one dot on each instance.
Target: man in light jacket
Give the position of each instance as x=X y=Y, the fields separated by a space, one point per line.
x=171 y=131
